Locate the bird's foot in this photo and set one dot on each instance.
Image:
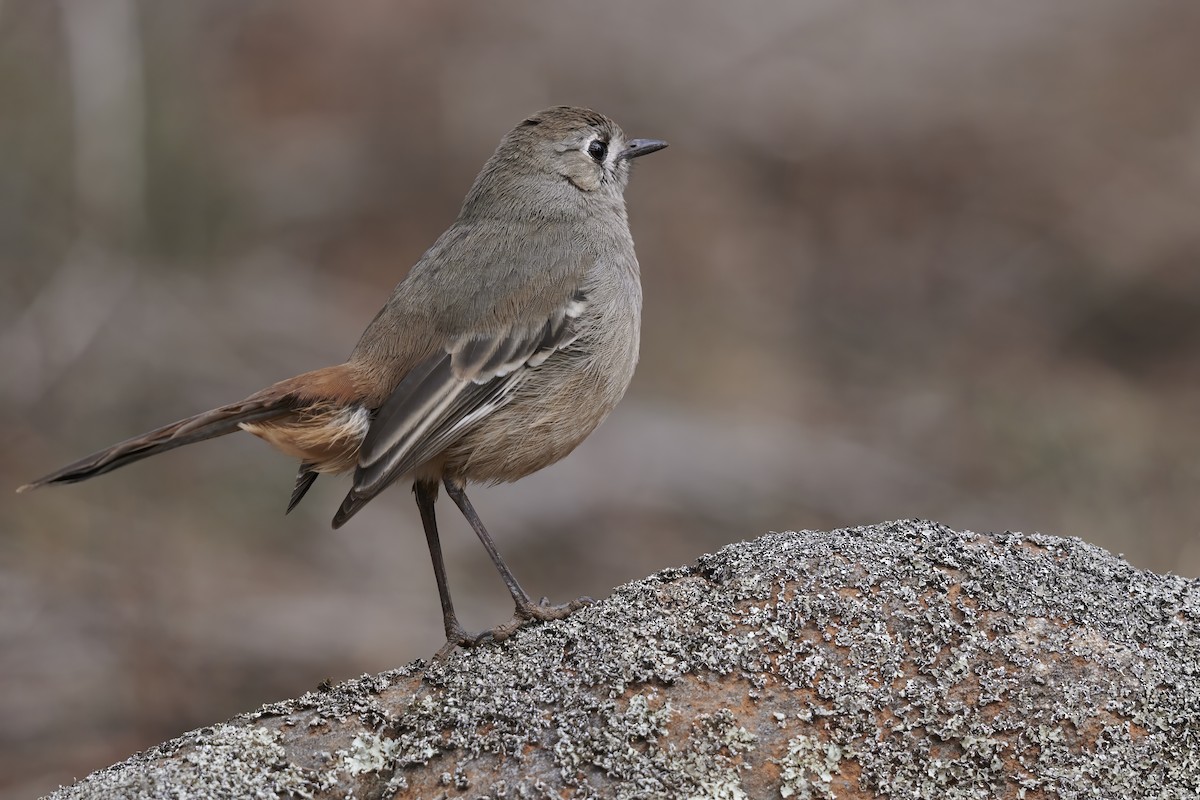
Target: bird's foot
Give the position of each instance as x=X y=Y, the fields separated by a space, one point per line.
x=543 y=610
x=457 y=636
x=525 y=614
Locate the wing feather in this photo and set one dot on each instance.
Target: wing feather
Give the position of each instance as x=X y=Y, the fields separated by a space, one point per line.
x=448 y=394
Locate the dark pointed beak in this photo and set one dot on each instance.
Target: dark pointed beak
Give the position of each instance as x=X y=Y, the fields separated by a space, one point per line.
x=640 y=147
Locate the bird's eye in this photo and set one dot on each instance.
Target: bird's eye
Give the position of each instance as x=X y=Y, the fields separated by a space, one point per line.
x=598 y=149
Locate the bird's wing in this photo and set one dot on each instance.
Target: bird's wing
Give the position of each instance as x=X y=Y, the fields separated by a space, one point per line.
x=445 y=395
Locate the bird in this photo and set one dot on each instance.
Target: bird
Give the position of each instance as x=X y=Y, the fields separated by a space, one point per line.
x=507 y=343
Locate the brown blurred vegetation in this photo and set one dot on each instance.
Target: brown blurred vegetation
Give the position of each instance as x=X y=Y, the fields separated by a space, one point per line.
x=925 y=259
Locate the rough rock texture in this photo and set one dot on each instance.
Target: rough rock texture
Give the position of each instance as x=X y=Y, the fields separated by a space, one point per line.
x=901 y=660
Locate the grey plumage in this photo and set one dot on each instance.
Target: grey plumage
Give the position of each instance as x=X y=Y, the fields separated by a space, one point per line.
x=544 y=316
x=508 y=342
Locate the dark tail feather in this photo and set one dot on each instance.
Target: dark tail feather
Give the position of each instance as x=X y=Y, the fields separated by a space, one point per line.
x=304 y=481
x=208 y=425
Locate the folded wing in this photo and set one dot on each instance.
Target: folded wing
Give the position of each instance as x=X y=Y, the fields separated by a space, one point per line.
x=449 y=393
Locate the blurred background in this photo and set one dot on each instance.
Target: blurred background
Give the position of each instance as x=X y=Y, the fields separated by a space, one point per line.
x=921 y=260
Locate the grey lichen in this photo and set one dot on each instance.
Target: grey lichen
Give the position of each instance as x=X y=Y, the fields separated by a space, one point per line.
x=808 y=767
x=221 y=761
x=902 y=659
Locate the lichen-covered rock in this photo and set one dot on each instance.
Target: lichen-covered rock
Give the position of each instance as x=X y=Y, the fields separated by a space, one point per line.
x=898 y=660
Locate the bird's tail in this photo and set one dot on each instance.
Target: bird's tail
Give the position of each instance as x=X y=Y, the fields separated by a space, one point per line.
x=208 y=425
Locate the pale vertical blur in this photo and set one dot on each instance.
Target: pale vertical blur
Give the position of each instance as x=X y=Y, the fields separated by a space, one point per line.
x=925 y=259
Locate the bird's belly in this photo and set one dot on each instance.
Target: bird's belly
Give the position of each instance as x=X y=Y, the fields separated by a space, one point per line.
x=543 y=423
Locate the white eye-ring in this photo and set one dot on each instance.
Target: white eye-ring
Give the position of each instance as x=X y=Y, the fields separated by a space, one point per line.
x=598 y=149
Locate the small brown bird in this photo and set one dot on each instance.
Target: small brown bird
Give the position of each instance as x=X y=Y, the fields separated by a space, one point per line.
x=510 y=340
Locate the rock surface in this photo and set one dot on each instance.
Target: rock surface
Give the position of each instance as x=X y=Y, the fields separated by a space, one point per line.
x=903 y=659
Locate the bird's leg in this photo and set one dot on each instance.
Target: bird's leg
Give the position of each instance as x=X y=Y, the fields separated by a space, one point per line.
x=426 y=494
x=526 y=609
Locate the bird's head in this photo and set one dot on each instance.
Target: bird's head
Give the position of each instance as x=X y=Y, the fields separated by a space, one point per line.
x=569 y=155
